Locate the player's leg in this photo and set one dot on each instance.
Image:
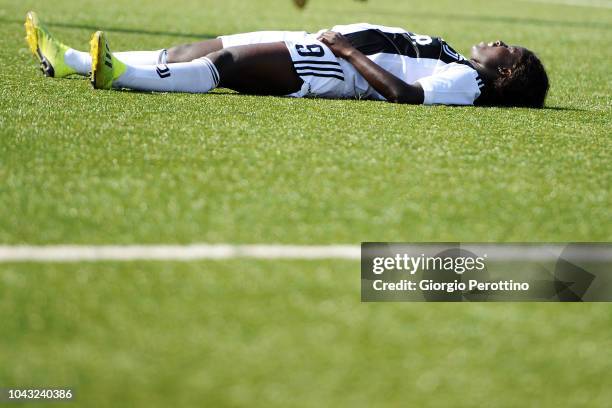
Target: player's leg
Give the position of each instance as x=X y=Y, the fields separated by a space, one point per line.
x=265 y=69
x=58 y=60
x=261 y=68
x=189 y=52
x=81 y=61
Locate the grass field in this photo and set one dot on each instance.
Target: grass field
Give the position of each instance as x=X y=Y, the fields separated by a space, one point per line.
x=85 y=167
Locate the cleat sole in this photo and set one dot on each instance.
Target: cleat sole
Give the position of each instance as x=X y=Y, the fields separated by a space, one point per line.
x=94 y=50
x=31 y=25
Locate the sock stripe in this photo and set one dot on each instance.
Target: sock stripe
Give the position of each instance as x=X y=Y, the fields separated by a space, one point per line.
x=213 y=70
x=163 y=57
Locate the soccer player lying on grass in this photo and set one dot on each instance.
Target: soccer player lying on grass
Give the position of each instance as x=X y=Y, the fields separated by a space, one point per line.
x=361 y=61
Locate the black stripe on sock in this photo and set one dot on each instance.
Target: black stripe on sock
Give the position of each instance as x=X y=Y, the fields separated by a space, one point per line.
x=213 y=71
x=163 y=71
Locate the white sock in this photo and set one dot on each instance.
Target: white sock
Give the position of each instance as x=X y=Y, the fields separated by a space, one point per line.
x=142 y=57
x=197 y=76
x=78 y=60
x=81 y=61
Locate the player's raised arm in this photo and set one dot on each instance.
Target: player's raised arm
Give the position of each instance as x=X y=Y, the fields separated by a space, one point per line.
x=388 y=85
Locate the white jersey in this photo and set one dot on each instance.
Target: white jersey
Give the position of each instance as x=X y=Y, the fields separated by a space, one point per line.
x=445 y=76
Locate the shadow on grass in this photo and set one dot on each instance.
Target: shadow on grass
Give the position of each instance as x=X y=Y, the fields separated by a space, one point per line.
x=229 y=92
x=484 y=20
x=203 y=36
x=563 y=108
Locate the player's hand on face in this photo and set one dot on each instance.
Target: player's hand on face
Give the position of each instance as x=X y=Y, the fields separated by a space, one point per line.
x=339 y=44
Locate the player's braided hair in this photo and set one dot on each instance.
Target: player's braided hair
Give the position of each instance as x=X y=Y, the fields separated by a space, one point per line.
x=526 y=86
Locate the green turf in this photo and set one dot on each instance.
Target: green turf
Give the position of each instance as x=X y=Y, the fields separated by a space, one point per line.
x=91 y=167
x=287 y=334
x=78 y=166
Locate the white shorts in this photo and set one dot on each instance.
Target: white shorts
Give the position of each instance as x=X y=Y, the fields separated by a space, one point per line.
x=324 y=75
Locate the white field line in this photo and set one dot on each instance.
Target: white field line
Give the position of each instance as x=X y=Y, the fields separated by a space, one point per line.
x=77 y=253
x=92 y=253
x=579 y=3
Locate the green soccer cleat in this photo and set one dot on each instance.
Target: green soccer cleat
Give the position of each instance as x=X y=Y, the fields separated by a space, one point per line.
x=105 y=68
x=48 y=50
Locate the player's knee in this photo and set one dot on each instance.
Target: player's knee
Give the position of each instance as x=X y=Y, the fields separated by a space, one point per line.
x=179 y=53
x=225 y=60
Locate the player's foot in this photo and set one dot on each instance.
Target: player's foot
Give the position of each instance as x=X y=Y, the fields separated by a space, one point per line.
x=48 y=50
x=105 y=68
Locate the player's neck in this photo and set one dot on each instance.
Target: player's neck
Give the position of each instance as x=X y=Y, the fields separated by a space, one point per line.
x=488 y=74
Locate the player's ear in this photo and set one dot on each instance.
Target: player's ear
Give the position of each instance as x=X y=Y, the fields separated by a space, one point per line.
x=504 y=72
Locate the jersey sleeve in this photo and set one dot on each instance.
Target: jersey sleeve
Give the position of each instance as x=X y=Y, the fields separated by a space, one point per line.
x=453 y=84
